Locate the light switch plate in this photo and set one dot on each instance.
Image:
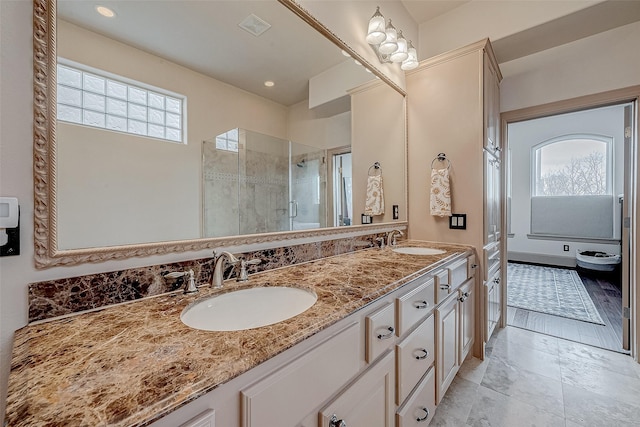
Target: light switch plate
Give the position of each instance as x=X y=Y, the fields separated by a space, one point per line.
x=458 y=221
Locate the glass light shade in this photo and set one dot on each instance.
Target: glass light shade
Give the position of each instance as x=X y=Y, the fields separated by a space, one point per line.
x=376 y=33
x=401 y=53
x=390 y=44
x=412 y=59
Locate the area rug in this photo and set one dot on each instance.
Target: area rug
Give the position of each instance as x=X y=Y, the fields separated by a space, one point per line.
x=550 y=290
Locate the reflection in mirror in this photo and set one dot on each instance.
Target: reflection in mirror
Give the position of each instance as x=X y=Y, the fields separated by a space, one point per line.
x=254 y=183
x=144 y=96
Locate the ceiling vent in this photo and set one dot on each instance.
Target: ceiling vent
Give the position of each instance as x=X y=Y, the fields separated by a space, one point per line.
x=254 y=25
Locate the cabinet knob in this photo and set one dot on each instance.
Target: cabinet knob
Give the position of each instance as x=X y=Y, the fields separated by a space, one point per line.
x=424 y=355
x=387 y=335
x=474 y=265
x=421 y=305
x=426 y=415
x=496 y=280
x=335 y=422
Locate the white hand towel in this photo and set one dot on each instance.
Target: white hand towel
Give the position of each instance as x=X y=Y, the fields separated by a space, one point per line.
x=440 y=193
x=374 y=205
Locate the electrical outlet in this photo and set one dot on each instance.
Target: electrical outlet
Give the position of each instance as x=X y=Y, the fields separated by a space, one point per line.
x=566 y=248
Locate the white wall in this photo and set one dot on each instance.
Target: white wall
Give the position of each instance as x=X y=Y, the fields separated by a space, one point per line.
x=494 y=19
x=595 y=64
x=522 y=137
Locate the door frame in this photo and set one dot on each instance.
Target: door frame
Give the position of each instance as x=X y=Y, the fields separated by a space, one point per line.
x=331 y=153
x=630 y=94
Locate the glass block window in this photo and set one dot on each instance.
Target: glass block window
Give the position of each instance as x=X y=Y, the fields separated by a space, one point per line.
x=228 y=141
x=102 y=100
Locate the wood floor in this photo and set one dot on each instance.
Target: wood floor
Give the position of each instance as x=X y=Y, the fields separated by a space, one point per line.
x=606 y=295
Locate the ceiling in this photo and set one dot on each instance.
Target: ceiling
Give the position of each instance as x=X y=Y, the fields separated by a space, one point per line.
x=204 y=36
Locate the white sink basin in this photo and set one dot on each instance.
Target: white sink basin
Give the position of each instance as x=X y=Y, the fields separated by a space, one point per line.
x=418 y=251
x=247 y=308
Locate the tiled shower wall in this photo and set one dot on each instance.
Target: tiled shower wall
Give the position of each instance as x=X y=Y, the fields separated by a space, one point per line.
x=54 y=298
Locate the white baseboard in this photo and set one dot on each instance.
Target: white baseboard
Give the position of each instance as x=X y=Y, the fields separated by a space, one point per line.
x=560 y=261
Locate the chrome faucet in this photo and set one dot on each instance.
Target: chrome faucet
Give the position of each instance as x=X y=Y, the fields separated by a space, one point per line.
x=391 y=237
x=218 y=267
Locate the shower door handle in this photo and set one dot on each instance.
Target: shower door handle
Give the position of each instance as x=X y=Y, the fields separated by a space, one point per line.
x=293 y=209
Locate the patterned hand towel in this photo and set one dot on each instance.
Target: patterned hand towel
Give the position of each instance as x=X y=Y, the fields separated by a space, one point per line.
x=440 y=193
x=374 y=205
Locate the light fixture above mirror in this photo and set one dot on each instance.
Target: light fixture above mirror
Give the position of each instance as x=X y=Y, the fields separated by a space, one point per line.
x=389 y=44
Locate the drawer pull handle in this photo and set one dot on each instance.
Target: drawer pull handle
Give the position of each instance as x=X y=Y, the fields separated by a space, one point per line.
x=421 y=305
x=464 y=297
x=445 y=287
x=426 y=415
x=388 y=334
x=425 y=355
x=335 y=422
x=474 y=265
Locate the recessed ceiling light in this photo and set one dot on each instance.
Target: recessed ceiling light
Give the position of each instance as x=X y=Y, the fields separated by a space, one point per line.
x=269 y=83
x=105 y=11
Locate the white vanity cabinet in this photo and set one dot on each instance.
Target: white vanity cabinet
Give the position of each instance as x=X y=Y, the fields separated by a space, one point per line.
x=386 y=365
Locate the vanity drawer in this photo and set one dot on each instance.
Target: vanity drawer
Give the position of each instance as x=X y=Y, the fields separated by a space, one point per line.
x=472 y=267
x=414 y=356
x=421 y=406
x=442 y=285
x=414 y=306
x=379 y=331
x=458 y=273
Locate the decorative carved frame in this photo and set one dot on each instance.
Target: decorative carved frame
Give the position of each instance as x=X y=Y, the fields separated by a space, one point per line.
x=46 y=251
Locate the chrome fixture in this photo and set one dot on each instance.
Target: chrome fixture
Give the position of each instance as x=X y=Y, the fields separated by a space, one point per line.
x=381 y=241
x=391 y=237
x=243 y=276
x=190 y=284
x=218 y=267
x=389 y=44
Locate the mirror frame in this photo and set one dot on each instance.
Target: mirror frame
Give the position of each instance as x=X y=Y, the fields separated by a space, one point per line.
x=46 y=251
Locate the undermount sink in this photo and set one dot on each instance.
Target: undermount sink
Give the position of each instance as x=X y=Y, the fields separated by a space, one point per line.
x=247 y=308
x=418 y=251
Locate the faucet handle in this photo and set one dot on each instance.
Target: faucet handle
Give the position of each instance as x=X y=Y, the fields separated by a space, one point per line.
x=244 y=276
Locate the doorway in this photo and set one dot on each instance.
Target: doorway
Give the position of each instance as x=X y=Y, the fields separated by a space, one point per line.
x=341 y=183
x=568 y=185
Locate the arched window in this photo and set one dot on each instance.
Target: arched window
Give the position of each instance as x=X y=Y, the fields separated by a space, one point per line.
x=573 y=165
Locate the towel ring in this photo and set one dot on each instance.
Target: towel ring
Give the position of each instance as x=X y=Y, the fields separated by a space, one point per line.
x=376 y=166
x=441 y=157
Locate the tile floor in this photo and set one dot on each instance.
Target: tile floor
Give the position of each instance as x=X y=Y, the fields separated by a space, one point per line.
x=531 y=379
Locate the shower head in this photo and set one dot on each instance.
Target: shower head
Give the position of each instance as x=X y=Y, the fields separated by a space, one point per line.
x=300 y=164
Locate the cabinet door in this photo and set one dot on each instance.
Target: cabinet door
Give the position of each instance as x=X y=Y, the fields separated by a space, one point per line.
x=491 y=198
x=467 y=316
x=286 y=396
x=366 y=402
x=491 y=107
x=492 y=307
x=447 y=318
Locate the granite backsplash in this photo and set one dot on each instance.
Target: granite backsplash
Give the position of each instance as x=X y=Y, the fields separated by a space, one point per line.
x=53 y=298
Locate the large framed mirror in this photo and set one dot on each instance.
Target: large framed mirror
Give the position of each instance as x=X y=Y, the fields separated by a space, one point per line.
x=176 y=126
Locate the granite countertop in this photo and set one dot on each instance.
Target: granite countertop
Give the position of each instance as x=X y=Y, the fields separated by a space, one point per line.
x=130 y=364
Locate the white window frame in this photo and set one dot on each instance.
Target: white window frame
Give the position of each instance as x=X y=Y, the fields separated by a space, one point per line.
x=130 y=83
x=535 y=164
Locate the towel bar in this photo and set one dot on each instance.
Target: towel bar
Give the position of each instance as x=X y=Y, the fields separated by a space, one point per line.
x=441 y=157
x=376 y=166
